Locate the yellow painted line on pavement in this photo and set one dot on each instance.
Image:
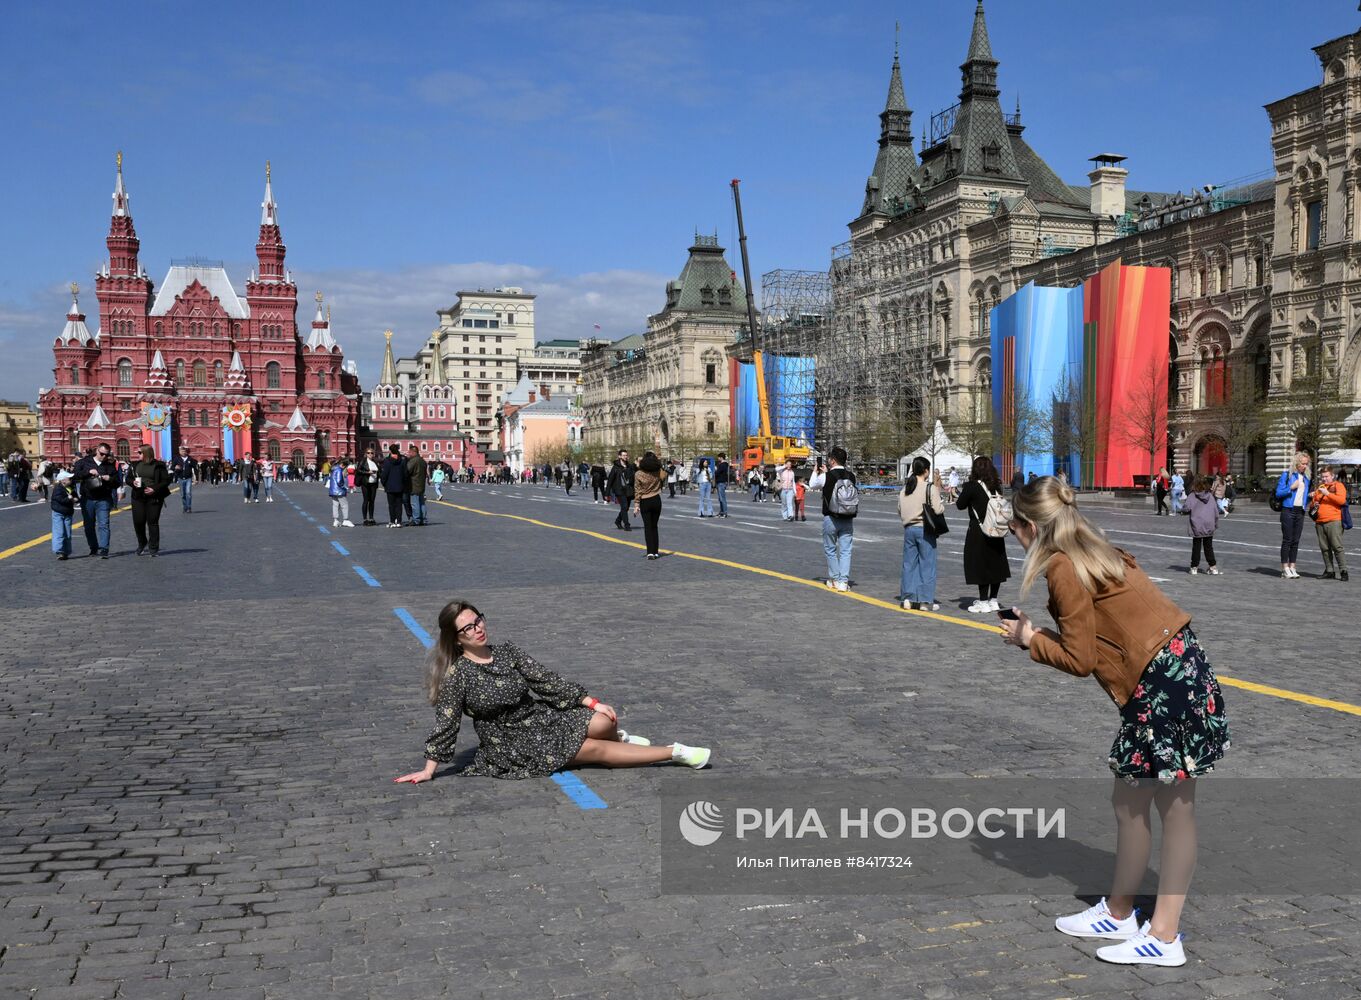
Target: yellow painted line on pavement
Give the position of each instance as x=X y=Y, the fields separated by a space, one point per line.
x=1266 y=689
x=14 y=550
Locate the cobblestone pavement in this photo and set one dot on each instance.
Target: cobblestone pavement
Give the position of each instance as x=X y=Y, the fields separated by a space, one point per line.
x=199 y=750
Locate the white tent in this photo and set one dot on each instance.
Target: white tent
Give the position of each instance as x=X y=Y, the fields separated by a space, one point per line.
x=1342 y=456
x=942 y=454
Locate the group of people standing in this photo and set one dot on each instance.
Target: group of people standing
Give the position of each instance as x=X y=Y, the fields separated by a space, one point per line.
x=93 y=484
x=402 y=479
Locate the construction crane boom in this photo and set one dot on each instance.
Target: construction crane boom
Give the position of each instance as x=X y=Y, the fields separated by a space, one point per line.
x=752 y=330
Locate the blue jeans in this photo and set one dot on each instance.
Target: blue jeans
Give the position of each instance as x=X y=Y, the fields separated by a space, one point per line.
x=787 y=504
x=919 y=565
x=706 y=504
x=248 y=488
x=838 y=535
x=418 y=508
x=96 y=515
x=186 y=493
x=723 y=499
x=269 y=487
x=61 y=534
x=439 y=490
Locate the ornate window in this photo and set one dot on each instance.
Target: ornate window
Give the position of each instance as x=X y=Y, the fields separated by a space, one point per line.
x=275 y=452
x=217 y=329
x=217 y=373
x=122 y=449
x=160 y=328
x=200 y=374
x=179 y=371
x=179 y=328
x=272 y=375
x=203 y=417
x=298 y=459
x=191 y=418
x=124 y=372
x=75 y=374
x=321 y=380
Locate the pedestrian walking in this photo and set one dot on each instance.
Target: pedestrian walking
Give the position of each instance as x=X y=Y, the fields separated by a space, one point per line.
x=1017 y=481
x=787 y=490
x=704 y=480
x=722 y=476
x=396 y=482
x=840 y=504
x=620 y=488
x=150 y=486
x=183 y=469
x=96 y=477
x=267 y=478
x=567 y=478
x=918 y=588
x=248 y=473
x=1331 y=517
x=63 y=504
x=1220 y=489
x=672 y=474
x=437 y=481
x=20 y=475
x=338 y=489
x=529 y=721
x=800 y=492
x=1178 y=492
x=754 y=483
x=1292 y=492
x=647 y=499
x=366 y=477
x=417 y=475
x=1162 y=485
x=985 y=548
x=1204 y=522
x=1115 y=623
x=598 y=492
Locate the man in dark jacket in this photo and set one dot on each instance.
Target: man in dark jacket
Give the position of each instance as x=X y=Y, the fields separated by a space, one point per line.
x=620 y=487
x=598 y=494
x=417 y=472
x=20 y=474
x=396 y=482
x=183 y=469
x=248 y=472
x=97 y=478
x=722 y=476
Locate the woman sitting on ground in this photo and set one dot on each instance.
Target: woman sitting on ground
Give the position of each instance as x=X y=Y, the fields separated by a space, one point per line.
x=529 y=721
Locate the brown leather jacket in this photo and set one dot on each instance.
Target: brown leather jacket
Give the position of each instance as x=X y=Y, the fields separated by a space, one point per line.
x=1113 y=633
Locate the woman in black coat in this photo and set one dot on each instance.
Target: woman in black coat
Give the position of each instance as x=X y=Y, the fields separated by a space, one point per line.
x=985 y=557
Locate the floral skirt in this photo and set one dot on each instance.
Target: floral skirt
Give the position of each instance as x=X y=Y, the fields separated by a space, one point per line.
x=529 y=743
x=1173 y=727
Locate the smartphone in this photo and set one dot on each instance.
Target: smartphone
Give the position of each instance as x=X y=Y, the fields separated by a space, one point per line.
x=1006 y=614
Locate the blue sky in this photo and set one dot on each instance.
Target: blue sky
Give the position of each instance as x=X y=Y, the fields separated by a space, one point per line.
x=572 y=148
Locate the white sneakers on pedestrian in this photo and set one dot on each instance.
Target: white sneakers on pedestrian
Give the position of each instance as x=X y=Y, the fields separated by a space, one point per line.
x=1214 y=571
x=638 y=741
x=696 y=757
x=347 y=524
x=979 y=607
x=1097 y=922
x=335 y=524
x=1144 y=949
x=1195 y=570
x=842 y=586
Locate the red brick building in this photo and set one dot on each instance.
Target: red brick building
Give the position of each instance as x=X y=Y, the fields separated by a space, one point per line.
x=196 y=363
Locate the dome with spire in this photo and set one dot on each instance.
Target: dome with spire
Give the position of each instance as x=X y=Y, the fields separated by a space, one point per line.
x=75 y=332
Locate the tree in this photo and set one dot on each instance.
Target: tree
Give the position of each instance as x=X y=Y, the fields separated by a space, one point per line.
x=1142 y=422
x=1314 y=403
x=1019 y=430
x=1074 y=426
x=1240 y=415
x=971 y=429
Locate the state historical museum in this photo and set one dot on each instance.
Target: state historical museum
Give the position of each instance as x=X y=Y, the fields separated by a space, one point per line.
x=197 y=364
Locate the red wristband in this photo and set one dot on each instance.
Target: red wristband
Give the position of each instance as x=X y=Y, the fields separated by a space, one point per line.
x=591 y=703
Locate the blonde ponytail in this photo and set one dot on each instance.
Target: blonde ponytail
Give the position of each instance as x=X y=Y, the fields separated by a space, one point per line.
x=1050 y=506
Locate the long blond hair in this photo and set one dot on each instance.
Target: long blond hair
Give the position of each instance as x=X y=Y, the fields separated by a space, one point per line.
x=1050 y=506
x=446 y=649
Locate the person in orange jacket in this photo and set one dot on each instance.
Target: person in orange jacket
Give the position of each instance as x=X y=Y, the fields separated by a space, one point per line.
x=1330 y=497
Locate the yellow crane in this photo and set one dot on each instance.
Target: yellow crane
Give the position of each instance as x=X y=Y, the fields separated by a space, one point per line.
x=765 y=448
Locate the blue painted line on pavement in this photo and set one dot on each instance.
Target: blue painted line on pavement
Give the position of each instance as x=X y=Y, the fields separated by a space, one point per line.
x=339 y=548
x=572 y=786
x=323 y=529
x=414 y=627
x=364 y=575
x=578 y=791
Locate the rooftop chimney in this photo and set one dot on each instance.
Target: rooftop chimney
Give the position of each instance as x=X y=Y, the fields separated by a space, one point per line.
x=1108 y=184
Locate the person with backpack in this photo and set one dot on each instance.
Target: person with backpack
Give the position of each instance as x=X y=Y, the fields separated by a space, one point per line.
x=1204 y=511
x=338 y=489
x=619 y=486
x=840 y=504
x=1331 y=517
x=985 y=548
x=1291 y=493
x=918 y=589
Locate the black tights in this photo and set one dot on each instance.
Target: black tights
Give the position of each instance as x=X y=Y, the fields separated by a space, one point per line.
x=988 y=591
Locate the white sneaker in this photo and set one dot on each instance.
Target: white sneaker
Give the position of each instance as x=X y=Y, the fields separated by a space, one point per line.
x=831 y=585
x=335 y=524
x=1294 y=573
x=1194 y=570
x=909 y=605
x=1097 y=922
x=347 y=524
x=992 y=605
x=1214 y=571
x=978 y=607
x=696 y=757
x=930 y=606
x=1144 y=949
x=638 y=741
x=842 y=586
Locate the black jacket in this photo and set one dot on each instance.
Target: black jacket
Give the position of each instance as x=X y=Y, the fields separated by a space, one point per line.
x=89 y=490
x=621 y=479
x=155 y=476
x=62 y=501
x=598 y=476
x=183 y=467
x=723 y=474
x=394 y=476
x=362 y=476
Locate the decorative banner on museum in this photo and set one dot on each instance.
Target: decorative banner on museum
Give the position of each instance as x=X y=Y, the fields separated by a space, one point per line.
x=156 y=429
x=236 y=425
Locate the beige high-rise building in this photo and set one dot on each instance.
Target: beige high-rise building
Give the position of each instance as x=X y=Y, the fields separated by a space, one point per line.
x=668 y=387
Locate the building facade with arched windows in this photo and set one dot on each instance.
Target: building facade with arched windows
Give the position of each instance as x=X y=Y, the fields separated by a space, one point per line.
x=195 y=347
x=669 y=387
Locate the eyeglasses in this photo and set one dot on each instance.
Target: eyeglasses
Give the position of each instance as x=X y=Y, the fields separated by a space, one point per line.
x=476 y=623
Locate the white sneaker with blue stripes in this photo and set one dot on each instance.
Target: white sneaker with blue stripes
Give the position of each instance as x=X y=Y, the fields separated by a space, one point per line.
x=1144 y=949
x=1097 y=922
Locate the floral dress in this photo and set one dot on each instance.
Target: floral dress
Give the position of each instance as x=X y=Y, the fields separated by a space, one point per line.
x=1173 y=727
x=520 y=735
